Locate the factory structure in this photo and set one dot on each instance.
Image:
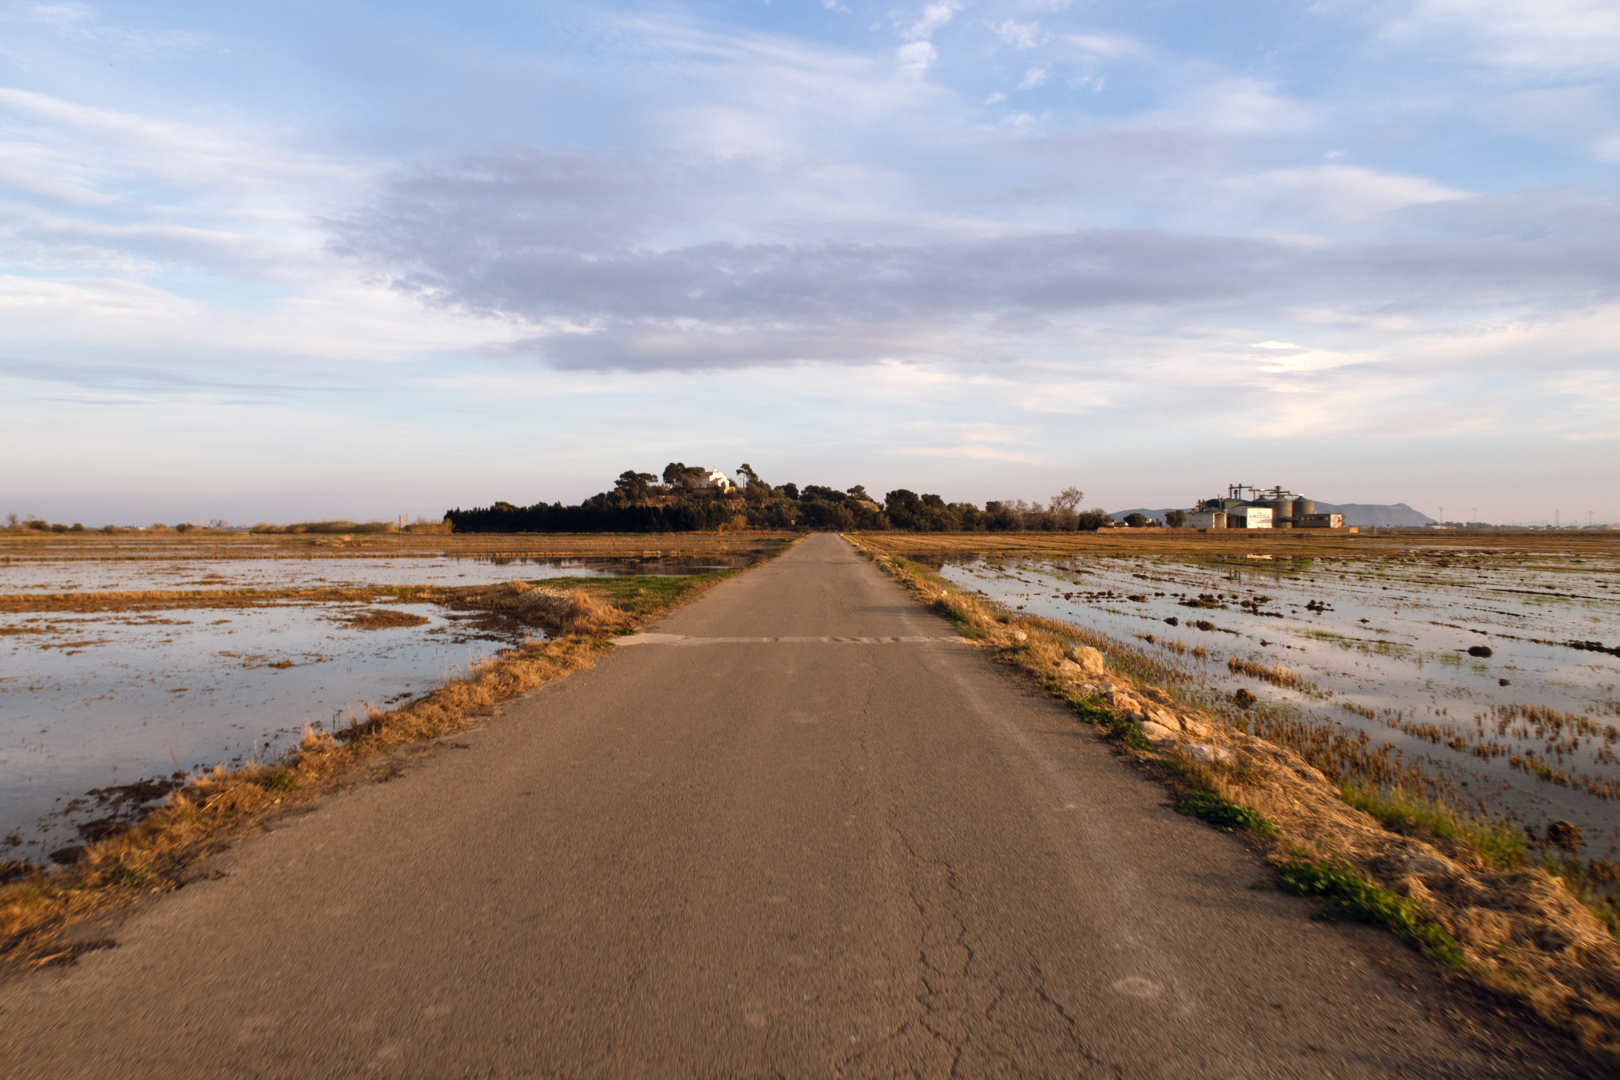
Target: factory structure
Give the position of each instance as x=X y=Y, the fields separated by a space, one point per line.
x=1266 y=508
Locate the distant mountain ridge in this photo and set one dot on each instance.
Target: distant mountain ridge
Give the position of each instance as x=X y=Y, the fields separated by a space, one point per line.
x=1361 y=515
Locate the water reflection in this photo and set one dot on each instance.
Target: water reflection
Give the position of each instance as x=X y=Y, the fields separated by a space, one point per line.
x=321 y=571
x=1382 y=645
x=96 y=700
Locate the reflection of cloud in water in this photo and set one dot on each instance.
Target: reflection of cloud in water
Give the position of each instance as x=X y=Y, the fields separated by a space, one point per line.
x=1388 y=637
x=91 y=701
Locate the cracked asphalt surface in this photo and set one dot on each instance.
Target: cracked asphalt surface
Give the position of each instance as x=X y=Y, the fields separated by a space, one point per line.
x=706 y=858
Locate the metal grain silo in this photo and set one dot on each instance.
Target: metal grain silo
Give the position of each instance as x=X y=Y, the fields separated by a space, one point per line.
x=1303 y=506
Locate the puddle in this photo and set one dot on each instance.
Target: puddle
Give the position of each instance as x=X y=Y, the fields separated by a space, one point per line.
x=1527 y=733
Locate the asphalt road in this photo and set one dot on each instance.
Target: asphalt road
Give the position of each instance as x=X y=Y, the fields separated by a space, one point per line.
x=752 y=847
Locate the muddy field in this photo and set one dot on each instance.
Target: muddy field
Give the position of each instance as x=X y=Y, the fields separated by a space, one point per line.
x=1489 y=669
x=129 y=660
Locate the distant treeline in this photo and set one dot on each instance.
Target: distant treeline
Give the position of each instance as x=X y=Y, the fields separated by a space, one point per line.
x=348 y=528
x=689 y=500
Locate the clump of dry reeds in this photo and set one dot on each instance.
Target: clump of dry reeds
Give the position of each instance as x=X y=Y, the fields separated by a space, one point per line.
x=1276 y=675
x=572 y=612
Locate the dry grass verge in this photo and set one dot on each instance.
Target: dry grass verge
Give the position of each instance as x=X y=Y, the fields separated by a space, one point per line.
x=1462 y=891
x=159 y=852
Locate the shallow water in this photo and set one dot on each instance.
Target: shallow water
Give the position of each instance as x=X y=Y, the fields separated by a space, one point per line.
x=92 y=702
x=63 y=575
x=1386 y=637
x=105 y=699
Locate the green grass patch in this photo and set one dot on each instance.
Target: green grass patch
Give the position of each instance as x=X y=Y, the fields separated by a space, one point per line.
x=278 y=779
x=1408 y=812
x=640 y=596
x=1223 y=813
x=119 y=874
x=1347 y=895
x=1092 y=709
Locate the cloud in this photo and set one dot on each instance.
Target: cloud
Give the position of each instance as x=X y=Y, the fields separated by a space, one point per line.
x=82 y=24
x=916 y=58
x=1019 y=35
x=1109 y=46
x=560 y=243
x=1035 y=76
x=750 y=93
x=933 y=17
x=495 y=239
x=1341 y=192
x=123 y=384
x=1242 y=106
x=653 y=345
x=91 y=187
x=1549 y=36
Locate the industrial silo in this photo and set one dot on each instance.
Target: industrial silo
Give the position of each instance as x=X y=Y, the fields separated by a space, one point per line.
x=1282 y=512
x=1304 y=506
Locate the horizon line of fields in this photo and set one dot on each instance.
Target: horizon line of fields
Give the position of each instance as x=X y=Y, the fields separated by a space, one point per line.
x=27 y=544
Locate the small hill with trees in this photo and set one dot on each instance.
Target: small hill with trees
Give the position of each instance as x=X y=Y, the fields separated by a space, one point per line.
x=690 y=499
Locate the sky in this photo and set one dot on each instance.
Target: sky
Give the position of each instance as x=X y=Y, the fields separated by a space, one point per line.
x=294 y=261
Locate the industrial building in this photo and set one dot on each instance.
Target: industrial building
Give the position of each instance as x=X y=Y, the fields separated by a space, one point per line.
x=1265 y=508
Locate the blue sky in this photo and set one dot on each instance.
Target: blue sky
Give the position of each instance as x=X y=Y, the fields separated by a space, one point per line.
x=272 y=262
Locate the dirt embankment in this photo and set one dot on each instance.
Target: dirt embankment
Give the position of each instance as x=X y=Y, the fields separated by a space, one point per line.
x=1489 y=915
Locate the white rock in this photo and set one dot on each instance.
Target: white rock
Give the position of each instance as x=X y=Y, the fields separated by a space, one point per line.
x=1089 y=659
x=1123 y=702
x=1205 y=753
x=1192 y=725
x=1157 y=734
x=1019 y=635
x=1069 y=669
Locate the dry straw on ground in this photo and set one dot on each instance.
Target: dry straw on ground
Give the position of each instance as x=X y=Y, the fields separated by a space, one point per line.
x=1518 y=930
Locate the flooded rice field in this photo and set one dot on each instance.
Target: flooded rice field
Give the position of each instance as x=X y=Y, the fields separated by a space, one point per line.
x=1492 y=674
x=98 y=707
x=126 y=573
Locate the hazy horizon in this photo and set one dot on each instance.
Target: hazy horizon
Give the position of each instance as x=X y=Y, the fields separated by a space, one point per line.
x=302 y=261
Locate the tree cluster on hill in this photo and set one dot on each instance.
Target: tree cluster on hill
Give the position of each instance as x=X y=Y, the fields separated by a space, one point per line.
x=685 y=499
